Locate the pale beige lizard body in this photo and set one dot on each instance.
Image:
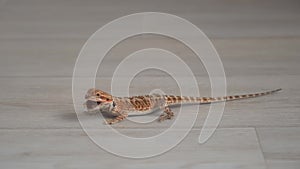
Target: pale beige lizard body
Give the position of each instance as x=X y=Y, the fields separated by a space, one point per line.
x=121 y=107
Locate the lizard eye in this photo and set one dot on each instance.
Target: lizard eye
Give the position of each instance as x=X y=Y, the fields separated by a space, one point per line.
x=98 y=94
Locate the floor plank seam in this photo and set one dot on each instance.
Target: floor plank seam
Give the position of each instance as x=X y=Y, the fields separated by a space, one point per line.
x=261 y=148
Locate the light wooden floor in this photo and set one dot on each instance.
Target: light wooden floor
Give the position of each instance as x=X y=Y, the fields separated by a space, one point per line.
x=258 y=42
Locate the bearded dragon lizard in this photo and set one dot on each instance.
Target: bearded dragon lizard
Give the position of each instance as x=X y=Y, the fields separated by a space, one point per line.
x=121 y=107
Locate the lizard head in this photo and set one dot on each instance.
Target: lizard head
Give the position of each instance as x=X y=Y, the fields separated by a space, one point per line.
x=97 y=99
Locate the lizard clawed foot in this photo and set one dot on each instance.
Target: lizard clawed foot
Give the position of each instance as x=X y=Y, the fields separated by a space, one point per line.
x=168 y=114
x=115 y=120
x=165 y=116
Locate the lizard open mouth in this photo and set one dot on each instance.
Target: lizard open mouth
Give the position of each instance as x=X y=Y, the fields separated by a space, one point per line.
x=92 y=104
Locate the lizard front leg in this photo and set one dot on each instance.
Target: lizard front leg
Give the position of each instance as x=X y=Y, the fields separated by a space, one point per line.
x=116 y=119
x=167 y=114
x=119 y=116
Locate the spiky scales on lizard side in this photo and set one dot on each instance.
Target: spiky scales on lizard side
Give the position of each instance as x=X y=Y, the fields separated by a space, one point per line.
x=121 y=107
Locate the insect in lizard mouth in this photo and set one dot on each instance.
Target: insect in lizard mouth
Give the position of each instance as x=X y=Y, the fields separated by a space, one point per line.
x=91 y=105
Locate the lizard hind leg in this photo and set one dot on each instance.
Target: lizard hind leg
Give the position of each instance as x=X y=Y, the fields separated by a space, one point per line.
x=167 y=114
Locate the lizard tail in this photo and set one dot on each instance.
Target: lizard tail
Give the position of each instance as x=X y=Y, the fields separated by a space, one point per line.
x=206 y=100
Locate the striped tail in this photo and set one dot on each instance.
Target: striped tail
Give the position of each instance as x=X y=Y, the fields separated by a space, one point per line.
x=206 y=100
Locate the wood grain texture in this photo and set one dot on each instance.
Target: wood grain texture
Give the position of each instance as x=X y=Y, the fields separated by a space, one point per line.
x=258 y=42
x=69 y=148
